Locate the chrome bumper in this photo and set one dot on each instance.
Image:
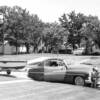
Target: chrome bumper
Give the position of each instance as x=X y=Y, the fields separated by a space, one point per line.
x=89 y=81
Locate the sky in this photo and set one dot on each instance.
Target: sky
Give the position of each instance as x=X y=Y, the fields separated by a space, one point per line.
x=52 y=10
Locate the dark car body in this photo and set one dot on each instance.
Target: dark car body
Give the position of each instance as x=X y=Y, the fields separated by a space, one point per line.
x=56 y=69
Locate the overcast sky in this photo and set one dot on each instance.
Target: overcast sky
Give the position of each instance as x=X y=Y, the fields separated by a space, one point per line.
x=51 y=10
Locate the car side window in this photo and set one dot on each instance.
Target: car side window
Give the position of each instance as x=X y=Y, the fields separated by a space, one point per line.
x=51 y=63
x=61 y=63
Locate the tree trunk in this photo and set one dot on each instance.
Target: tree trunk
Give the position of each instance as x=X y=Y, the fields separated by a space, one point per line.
x=16 y=49
x=27 y=47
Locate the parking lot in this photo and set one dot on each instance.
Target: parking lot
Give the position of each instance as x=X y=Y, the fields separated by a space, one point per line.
x=18 y=86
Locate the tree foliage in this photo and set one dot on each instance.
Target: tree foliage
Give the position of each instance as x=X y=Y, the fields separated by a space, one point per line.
x=53 y=37
x=21 y=26
x=73 y=23
x=81 y=27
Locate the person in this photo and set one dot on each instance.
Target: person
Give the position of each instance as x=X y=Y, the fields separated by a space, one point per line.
x=94 y=77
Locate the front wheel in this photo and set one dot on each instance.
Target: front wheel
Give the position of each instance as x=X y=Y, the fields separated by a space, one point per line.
x=79 y=81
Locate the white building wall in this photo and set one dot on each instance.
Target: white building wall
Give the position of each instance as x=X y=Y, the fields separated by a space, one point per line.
x=7 y=49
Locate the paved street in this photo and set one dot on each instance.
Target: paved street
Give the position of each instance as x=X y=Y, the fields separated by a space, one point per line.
x=19 y=87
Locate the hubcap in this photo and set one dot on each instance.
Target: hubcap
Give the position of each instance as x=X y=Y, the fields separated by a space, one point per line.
x=79 y=81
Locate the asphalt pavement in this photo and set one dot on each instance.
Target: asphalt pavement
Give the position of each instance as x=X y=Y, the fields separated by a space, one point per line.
x=19 y=87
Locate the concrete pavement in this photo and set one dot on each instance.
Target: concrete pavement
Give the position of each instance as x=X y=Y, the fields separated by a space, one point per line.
x=18 y=86
x=23 y=88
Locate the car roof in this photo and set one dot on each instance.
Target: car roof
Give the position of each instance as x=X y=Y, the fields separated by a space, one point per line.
x=40 y=59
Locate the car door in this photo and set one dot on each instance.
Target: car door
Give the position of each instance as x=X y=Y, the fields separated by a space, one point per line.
x=54 y=70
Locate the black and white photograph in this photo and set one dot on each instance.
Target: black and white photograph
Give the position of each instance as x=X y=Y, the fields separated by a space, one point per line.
x=49 y=49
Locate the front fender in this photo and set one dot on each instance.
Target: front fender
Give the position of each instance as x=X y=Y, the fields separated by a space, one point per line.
x=69 y=76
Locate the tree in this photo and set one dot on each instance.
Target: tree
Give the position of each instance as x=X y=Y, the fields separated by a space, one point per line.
x=90 y=32
x=22 y=26
x=73 y=23
x=53 y=37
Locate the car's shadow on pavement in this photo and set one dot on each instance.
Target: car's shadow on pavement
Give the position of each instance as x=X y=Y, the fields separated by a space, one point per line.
x=86 y=86
x=5 y=75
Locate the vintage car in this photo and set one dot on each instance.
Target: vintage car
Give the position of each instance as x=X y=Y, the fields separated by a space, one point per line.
x=78 y=51
x=56 y=69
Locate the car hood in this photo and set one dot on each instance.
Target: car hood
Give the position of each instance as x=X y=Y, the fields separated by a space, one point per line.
x=80 y=68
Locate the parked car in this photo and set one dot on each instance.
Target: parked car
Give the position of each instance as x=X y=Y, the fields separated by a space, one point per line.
x=78 y=51
x=66 y=51
x=57 y=69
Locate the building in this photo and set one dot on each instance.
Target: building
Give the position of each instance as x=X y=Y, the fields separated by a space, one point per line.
x=8 y=49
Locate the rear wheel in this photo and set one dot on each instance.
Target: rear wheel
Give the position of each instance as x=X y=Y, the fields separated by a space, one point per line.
x=79 y=81
x=8 y=72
